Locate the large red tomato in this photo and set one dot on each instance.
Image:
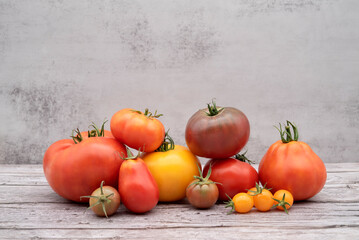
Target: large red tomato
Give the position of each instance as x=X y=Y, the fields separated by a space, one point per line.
x=137 y=187
x=232 y=175
x=141 y=131
x=217 y=132
x=292 y=165
x=75 y=168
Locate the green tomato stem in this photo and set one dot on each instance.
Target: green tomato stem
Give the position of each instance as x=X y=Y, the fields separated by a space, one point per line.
x=286 y=133
x=212 y=109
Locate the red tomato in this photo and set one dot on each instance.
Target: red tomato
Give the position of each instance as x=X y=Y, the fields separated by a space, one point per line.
x=293 y=166
x=136 y=185
x=217 y=132
x=233 y=176
x=77 y=169
x=141 y=131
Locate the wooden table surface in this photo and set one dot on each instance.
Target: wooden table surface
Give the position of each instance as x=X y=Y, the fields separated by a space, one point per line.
x=31 y=210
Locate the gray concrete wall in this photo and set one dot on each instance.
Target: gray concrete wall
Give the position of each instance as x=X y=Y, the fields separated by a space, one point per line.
x=64 y=64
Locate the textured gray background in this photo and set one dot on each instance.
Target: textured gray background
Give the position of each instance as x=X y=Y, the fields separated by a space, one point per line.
x=65 y=63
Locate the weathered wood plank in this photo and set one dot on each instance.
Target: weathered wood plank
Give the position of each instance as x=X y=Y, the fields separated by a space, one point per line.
x=44 y=194
x=30 y=209
x=241 y=232
x=33 y=175
x=37 y=168
x=68 y=215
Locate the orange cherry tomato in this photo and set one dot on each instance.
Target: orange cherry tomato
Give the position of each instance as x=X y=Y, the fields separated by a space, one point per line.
x=284 y=200
x=262 y=197
x=241 y=203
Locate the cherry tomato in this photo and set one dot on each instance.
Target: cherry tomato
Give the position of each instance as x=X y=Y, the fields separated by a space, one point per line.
x=104 y=201
x=75 y=168
x=217 y=132
x=284 y=200
x=173 y=167
x=241 y=203
x=262 y=197
x=234 y=175
x=141 y=131
x=292 y=165
x=137 y=187
x=202 y=192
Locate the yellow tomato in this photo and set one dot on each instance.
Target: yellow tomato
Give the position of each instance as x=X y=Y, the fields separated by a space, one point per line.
x=262 y=198
x=173 y=171
x=242 y=202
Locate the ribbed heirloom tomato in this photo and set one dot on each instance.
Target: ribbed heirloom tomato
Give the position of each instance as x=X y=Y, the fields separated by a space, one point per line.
x=141 y=131
x=173 y=167
x=292 y=165
x=217 y=132
x=75 y=167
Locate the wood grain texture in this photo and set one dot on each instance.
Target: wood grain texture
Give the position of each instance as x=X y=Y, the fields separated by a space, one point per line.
x=31 y=210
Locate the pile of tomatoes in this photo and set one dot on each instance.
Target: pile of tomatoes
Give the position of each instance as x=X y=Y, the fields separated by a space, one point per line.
x=99 y=167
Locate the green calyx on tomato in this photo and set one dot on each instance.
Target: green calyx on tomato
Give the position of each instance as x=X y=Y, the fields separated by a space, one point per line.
x=258 y=190
x=203 y=180
x=102 y=199
x=167 y=145
x=282 y=203
x=212 y=109
x=230 y=204
x=242 y=157
x=286 y=133
x=95 y=132
x=149 y=114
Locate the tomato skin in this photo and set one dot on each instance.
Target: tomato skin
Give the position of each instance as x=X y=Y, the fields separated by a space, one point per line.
x=219 y=136
x=294 y=167
x=262 y=201
x=243 y=202
x=233 y=175
x=173 y=171
x=202 y=196
x=111 y=207
x=75 y=170
x=136 y=130
x=137 y=187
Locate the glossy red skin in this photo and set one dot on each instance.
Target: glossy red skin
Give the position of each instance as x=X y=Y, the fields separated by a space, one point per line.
x=137 y=187
x=75 y=170
x=219 y=136
x=137 y=130
x=293 y=167
x=202 y=196
x=234 y=175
